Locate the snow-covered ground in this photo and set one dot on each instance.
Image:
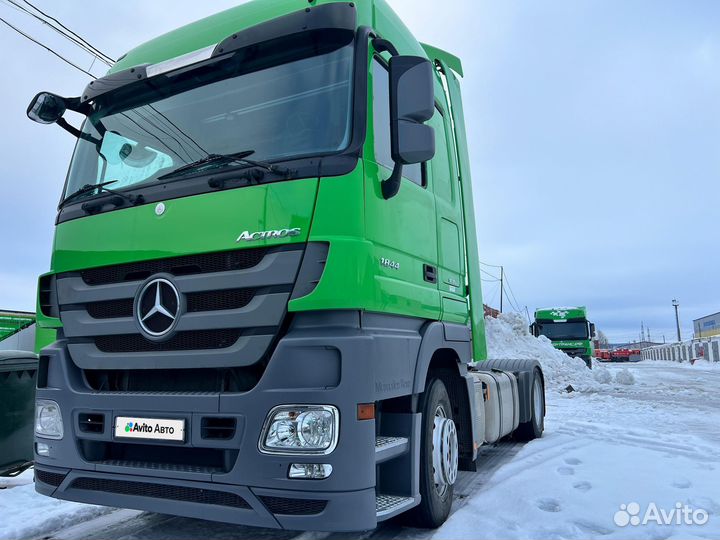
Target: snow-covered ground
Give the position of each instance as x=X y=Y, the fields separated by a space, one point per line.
x=644 y=436
x=644 y=433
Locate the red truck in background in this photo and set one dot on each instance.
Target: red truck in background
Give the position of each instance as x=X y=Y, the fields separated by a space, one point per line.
x=625 y=355
x=603 y=355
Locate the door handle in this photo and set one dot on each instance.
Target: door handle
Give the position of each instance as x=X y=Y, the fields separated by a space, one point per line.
x=429 y=273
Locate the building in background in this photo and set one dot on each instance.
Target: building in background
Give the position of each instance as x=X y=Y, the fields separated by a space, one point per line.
x=707 y=326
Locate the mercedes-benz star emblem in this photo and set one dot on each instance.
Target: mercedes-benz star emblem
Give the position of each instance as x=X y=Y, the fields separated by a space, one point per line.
x=158 y=307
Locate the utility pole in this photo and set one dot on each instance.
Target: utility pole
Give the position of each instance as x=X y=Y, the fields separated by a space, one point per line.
x=642 y=331
x=648 y=334
x=528 y=314
x=675 y=304
x=502 y=276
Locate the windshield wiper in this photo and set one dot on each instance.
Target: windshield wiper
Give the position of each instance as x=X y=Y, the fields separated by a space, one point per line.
x=225 y=159
x=101 y=187
x=87 y=188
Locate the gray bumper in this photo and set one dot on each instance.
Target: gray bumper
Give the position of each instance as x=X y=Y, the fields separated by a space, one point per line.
x=242 y=505
x=307 y=366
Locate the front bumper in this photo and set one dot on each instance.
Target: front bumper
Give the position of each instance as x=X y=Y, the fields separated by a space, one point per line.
x=242 y=505
x=227 y=480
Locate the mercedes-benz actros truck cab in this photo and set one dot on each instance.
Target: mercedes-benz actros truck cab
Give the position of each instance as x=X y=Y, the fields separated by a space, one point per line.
x=264 y=301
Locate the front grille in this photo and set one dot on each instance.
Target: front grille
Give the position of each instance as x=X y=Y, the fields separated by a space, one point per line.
x=230 y=300
x=111 y=309
x=182 y=341
x=185 y=381
x=91 y=422
x=217 y=428
x=158 y=456
x=196 y=302
x=49 y=478
x=574 y=352
x=178 y=266
x=219 y=300
x=293 y=507
x=161 y=491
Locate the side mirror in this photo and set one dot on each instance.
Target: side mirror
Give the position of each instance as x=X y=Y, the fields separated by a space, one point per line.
x=412 y=102
x=533 y=329
x=592 y=330
x=46 y=108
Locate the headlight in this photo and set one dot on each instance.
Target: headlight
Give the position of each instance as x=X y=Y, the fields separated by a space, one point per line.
x=48 y=419
x=300 y=429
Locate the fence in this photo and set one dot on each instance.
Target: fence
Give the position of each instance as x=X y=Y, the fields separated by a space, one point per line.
x=704 y=348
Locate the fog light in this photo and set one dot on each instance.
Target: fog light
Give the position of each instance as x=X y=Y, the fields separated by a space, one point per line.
x=48 y=419
x=313 y=471
x=42 y=449
x=300 y=429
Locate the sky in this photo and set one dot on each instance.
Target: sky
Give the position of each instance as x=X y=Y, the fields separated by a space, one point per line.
x=593 y=127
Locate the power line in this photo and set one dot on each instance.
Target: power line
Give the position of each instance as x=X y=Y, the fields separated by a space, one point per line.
x=492 y=299
x=49 y=49
x=68 y=34
x=513 y=305
x=489 y=274
x=491 y=265
x=512 y=293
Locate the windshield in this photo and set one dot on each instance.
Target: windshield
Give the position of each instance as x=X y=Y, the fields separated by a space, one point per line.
x=563 y=331
x=295 y=109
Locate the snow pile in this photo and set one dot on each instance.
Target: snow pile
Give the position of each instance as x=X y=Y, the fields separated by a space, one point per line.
x=625 y=377
x=28 y=514
x=508 y=337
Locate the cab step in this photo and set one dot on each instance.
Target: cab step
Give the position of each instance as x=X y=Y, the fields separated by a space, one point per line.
x=387 y=506
x=389 y=447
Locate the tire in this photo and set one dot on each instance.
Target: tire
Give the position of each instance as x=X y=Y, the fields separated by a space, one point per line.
x=434 y=507
x=533 y=428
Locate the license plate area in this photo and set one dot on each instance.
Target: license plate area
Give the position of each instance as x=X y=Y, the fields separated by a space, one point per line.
x=155 y=429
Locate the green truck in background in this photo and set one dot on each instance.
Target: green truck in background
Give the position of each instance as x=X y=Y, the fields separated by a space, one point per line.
x=258 y=291
x=569 y=330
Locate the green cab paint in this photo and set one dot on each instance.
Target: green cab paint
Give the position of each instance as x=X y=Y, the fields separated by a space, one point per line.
x=378 y=248
x=197 y=224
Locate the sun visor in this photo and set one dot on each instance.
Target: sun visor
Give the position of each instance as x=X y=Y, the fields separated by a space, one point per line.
x=311 y=29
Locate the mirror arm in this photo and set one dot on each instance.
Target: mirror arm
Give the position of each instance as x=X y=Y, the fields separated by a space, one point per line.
x=72 y=130
x=383 y=45
x=75 y=132
x=391 y=186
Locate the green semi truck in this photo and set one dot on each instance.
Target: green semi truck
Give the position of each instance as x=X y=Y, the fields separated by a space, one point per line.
x=568 y=328
x=264 y=295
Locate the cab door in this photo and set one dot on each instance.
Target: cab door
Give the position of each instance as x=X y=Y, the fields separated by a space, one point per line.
x=403 y=229
x=442 y=173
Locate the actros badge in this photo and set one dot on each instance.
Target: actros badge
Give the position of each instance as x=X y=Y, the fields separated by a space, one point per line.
x=247 y=236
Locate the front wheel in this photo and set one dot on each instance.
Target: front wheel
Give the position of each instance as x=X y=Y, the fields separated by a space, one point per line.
x=533 y=428
x=438 y=457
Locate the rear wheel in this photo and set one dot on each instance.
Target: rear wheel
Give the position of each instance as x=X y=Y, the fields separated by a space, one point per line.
x=533 y=428
x=438 y=458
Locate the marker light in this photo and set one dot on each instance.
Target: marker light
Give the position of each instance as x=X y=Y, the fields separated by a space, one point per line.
x=180 y=61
